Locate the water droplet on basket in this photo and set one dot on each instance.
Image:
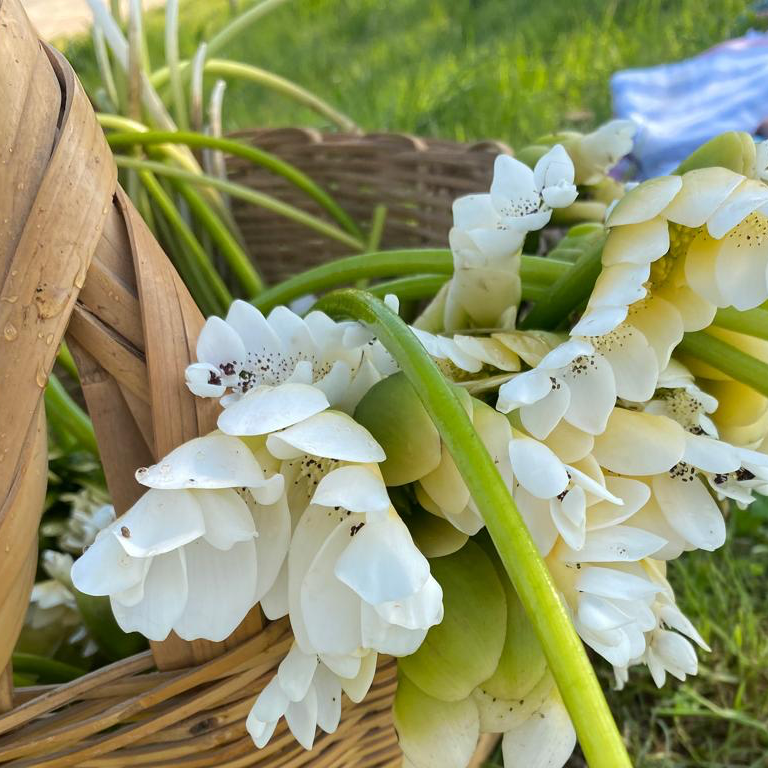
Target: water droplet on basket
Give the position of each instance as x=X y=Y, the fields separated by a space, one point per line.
x=10 y=332
x=41 y=377
x=49 y=339
x=9 y=299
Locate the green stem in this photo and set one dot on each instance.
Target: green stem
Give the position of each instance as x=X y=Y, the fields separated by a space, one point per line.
x=567 y=659
x=65 y=415
x=753 y=322
x=210 y=292
x=246 y=194
x=569 y=290
x=235 y=69
x=241 y=266
x=377 y=227
x=44 y=669
x=407 y=288
x=578 y=212
x=727 y=359
x=67 y=362
x=537 y=274
x=257 y=156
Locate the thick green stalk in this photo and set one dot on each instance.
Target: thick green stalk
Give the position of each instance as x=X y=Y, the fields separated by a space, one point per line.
x=753 y=322
x=579 y=212
x=257 y=156
x=210 y=292
x=235 y=69
x=407 y=288
x=243 y=193
x=570 y=290
x=172 y=59
x=240 y=265
x=535 y=272
x=66 y=416
x=727 y=359
x=567 y=659
x=67 y=362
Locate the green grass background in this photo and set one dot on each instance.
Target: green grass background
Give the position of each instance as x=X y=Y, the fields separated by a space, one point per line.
x=512 y=70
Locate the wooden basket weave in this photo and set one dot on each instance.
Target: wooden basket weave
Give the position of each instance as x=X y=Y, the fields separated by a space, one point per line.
x=77 y=259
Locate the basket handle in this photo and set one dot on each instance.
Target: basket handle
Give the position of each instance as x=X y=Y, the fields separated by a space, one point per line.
x=74 y=248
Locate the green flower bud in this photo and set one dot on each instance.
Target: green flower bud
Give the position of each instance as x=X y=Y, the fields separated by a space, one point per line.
x=734 y=150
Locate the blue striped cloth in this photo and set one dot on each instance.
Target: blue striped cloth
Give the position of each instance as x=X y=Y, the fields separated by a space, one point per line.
x=679 y=106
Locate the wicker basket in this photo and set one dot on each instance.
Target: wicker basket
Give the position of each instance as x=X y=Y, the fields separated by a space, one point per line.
x=76 y=259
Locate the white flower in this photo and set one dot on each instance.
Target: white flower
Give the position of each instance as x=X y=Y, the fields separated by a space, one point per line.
x=51 y=602
x=307 y=692
x=89 y=513
x=193 y=555
x=248 y=353
x=697 y=241
x=469 y=354
x=597 y=152
x=572 y=382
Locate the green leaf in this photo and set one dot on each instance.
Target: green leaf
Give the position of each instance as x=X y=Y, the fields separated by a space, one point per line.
x=522 y=664
x=434 y=536
x=734 y=150
x=464 y=649
x=392 y=412
x=434 y=733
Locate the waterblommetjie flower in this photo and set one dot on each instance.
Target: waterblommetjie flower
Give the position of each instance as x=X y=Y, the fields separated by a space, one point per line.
x=284 y=354
x=198 y=550
x=698 y=241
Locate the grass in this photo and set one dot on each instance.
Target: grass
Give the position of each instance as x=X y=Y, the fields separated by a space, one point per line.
x=512 y=70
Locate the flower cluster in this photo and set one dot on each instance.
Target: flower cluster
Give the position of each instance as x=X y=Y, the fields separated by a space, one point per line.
x=328 y=496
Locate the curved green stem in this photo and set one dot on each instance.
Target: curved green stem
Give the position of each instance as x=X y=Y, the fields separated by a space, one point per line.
x=243 y=193
x=726 y=358
x=406 y=288
x=578 y=212
x=66 y=416
x=240 y=265
x=199 y=274
x=235 y=69
x=535 y=272
x=44 y=669
x=253 y=154
x=567 y=659
x=753 y=322
x=569 y=291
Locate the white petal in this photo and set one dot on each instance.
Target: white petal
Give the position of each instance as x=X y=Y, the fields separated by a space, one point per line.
x=226 y=516
x=690 y=510
x=661 y=325
x=356 y=488
x=474 y=212
x=266 y=409
x=597 y=321
x=343 y=666
x=639 y=443
x=391 y=639
x=569 y=517
x=620 y=285
x=621 y=543
x=260 y=732
x=294 y=335
x=566 y=353
x=489 y=351
x=257 y=335
x=165 y=595
x=545 y=740
x=524 y=389
x=560 y=195
x=710 y=455
x=512 y=181
x=553 y=168
x=421 y=610
x=612 y=583
x=599 y=614
x=222 y=589
x=357 y=686
x=535 y=512
x=335 y=383
x=637 y=243
x=331 y=435
x=569 y=443
x=704 y=191
x=328 y=691
x=741 y=265
x=593 y=393
x=635 y=365
x=273 y=524
x=219 y=344
x=633 y=493
x=271 y=703
x=105 y=568
x=201 y=378
x=746 y=198
x=645 y=201
x=274 y=602
x=445 y=486
x=296 y=671
x=537 y=469
x=158 y=522
x=331 y=610
x=381 y=563
x=701 y=268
